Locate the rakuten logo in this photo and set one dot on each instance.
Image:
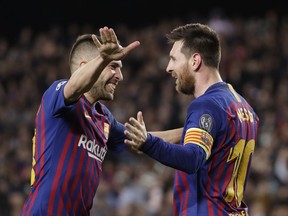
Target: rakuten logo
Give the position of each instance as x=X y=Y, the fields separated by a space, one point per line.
x=93 y=149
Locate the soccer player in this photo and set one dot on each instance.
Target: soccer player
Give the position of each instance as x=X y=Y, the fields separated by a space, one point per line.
x=74 y=130
x=213 y=158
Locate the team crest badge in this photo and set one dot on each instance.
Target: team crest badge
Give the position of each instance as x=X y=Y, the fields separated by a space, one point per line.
x=106 y=130
x=206 y=138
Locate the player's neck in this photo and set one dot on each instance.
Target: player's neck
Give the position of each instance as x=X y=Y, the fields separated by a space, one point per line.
x=204 y=80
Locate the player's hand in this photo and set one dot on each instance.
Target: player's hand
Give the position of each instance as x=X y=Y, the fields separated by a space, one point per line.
x=136 y=132
x=110 y=49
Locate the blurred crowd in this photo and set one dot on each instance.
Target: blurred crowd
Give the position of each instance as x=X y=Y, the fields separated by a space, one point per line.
x=254 y=61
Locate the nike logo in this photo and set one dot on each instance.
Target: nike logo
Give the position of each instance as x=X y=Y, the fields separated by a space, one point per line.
x=87 y=116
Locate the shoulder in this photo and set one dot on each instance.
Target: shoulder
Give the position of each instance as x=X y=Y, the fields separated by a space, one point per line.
x=204 y=102
x=58 y=84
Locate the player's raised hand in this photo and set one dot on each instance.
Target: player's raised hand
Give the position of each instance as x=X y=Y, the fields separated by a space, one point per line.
x=136 y=131
x=109 y=47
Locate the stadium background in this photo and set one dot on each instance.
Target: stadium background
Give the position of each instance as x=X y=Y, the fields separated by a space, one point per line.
x=35 y=38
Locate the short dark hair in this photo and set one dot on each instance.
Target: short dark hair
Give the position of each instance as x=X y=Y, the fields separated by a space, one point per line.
x=198 y=38
x=83 y=48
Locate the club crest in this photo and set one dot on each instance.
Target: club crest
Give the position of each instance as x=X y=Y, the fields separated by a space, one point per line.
x=106 y=130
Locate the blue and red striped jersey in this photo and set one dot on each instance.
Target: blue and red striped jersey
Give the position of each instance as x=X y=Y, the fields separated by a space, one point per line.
x=213 y=159
x=225 y=126
x=69 y=147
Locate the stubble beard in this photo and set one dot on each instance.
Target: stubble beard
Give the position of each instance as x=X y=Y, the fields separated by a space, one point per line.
x=99 y=93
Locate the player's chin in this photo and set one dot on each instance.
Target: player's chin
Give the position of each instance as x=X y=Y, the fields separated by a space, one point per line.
x=109 y=96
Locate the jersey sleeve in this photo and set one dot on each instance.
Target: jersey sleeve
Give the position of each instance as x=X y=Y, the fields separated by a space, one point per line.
x=53 y=98
x=202 y=124
x=200 y=130
x=187 y=158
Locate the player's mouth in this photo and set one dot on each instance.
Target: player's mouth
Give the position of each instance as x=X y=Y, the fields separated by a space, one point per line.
x=174 y=75
x=176 y=78
x=110 y=87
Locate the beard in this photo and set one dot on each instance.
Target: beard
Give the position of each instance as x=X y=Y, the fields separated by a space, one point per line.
x=186 y=82
x=99 y=92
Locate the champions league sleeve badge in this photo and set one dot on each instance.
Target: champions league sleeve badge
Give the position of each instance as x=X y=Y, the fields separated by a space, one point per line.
x=60 y=84
x=206 y=122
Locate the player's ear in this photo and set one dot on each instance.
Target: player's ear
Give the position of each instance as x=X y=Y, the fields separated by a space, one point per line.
x=196 y=61
x=83 y=62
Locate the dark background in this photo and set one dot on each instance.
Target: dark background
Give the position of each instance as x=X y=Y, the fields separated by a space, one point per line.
x=41 y=14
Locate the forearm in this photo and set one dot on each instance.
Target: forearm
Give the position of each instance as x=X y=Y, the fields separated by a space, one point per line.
x=171 y=136
x=84 y=78
x=188 y=158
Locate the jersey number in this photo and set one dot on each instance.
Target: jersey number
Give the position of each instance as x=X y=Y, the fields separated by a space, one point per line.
x=241 y=153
